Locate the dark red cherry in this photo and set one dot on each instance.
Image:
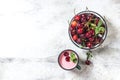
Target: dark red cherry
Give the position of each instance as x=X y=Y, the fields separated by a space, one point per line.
x=80 y=26
x=79 y=41
x=87 y=62
x=66 y=53
x=89 y=17
x=88 y=35
x=77 y=18
x=83 y=20
x=89 y=45
x=82 y=36
x=83 y=15
x=92 y=32
x=67 y=59
x=73 y=32
x=91 y=39
x=80 y=30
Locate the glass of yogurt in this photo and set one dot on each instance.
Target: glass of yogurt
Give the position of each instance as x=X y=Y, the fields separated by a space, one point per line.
x=68 y=60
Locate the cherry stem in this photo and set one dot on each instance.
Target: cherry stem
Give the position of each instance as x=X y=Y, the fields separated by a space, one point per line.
x=89 y=54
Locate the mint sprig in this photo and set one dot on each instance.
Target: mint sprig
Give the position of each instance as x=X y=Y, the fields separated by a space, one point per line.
x=99 y=28
x=73 y=57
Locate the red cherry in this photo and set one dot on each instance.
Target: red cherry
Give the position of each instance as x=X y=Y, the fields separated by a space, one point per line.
x=75 y=37
x=66 y=54
x=80 y=25
x=87 y=62
x=78 y=41
x=82 y=36
x=91 y=39
x=83 y=15
x=89 y=45
x=80 y=30
x=88 y=35
x=73 y=32
x=83 y=20
x=73 y=24
x=89 y=17
x=77 y=17
x=92 y=32
x=67 y=59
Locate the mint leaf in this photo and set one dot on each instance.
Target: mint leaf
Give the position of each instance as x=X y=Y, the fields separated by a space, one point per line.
x=99 y=23
x=72 y=55
x=93 y=25
x=75 y=60
x=96 y=30
x=102 y=29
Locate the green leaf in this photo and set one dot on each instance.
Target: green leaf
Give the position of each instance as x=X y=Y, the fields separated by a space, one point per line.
x=72 y=56
x=101 y=29
x=99 y=23
x=93 y=25
x=96 y=30
x=75 y=60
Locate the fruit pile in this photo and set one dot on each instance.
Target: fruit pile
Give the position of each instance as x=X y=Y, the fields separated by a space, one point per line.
x=87 y=30
x=70 y=57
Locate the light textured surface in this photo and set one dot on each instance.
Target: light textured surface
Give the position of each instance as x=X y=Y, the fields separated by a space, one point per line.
x=34 y=32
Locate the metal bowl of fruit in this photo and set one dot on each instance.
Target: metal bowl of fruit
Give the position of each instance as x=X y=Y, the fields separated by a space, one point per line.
x=87 y=30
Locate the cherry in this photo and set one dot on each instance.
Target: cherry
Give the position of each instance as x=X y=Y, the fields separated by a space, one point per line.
x=92 y=32
x=87 y=62
x=66 y=54
x=88 y=35
x=83 y=19
x=80 y=25
x=80 y=30
x=89 y=17
x=83 y=15
x=82 y=36
x=89 y=45
x=73 y=32
x=78 y=41
x=75 y=37
x=67 y=59
x=77 y=17
x=91 y=39
x=73 y=24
